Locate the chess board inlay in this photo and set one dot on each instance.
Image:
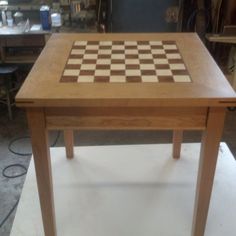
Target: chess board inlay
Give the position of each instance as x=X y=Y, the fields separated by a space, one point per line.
x=125 y=61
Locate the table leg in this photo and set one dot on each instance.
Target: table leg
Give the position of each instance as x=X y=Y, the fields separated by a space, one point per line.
x=177 y=141
x=69 y=143
x=207 y=164
x=40 y=146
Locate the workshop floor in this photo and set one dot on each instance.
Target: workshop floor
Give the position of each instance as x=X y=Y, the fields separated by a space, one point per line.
x=106 y=194
x=10 y=189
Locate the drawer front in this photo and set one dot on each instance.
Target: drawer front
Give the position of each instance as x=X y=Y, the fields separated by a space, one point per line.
x=127 y=118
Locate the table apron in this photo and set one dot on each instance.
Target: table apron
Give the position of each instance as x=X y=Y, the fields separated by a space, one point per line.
x=118 y=118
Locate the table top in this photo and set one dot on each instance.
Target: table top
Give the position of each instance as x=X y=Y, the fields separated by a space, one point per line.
x=157 y=69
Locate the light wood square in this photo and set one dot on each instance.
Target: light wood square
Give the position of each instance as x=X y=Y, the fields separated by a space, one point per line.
x=90 y=56
x=177 y=66
x=173 y=56
x=104 y=52
x=132 y=61
x=149 y=78
x=155 y=43
x=130 y=43
x=118 y=47
x=182 y=78
x=85 y=79
x=103 y=61
x=117 y=66
x=118 y=56
x=71 y=72
x=118 y=78
x=147 y=67
x=74 y=61
x=145 y=56
x=88 y=67
x=131 y=51
x=158 y=51
x=144 y=47
x=133 y=72
x=102 y=73
x=161 y=72
x=170 y=47
x=161 y=61
x=77 y=52
x=92 y=47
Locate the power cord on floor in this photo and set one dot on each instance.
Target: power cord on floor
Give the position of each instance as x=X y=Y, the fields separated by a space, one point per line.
x=16 y=140
x=14 y=176
x=4 y=171
x=9 y=213
x=28 y=137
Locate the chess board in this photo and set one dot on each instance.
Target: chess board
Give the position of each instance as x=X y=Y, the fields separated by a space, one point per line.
x=125 y=61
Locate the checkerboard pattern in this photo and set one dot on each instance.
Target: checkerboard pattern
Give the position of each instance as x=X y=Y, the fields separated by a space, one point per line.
x=125 y=61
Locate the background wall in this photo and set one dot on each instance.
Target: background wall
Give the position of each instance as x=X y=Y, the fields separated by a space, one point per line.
x=140 y=15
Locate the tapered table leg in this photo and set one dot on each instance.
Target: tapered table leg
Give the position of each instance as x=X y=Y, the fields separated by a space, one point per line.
x=207 y=164
x=177 y=141
x=69 y=143
x=40 y=146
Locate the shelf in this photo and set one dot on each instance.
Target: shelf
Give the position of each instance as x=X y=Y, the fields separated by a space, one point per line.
x=23 y=7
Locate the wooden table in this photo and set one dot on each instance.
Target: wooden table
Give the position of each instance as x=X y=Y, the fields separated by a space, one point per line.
x=52 y=101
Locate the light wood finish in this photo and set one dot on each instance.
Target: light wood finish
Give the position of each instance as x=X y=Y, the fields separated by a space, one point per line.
x=126 y=118
x=69 y=143
x=177 y=141
x=207 y=164
x=199 y=105
x=126 y=111
x=128 y=122
x=44 y=89
x=40 y=146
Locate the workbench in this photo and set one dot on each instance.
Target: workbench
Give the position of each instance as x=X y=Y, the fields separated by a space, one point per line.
x=20 y=47
x=229 y=40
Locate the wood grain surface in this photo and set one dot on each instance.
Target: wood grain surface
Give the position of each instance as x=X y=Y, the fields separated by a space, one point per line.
x=209 y=87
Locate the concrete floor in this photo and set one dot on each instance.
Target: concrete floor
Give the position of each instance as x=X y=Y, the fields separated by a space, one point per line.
x=10 y=189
